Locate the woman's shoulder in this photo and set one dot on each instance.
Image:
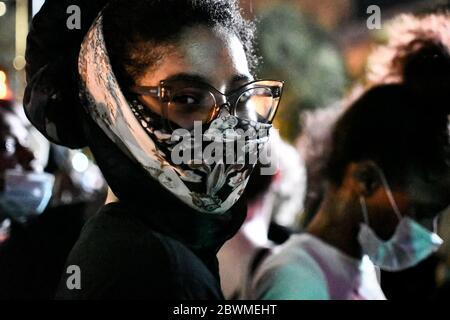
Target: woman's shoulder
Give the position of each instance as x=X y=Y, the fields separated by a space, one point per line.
x=114 y=227
x=120 y=229
x=118 y=256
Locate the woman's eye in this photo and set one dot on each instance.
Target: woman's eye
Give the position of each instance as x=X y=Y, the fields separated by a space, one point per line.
x=190 y=100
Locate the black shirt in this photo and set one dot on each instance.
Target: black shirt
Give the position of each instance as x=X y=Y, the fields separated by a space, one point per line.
x=120 y=257
x=32 y=259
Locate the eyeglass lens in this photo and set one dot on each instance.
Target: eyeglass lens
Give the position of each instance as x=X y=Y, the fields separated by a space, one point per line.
x=189 y=104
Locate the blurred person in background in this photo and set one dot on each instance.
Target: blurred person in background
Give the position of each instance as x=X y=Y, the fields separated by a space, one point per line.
x=14 y=153
x=34 y=239
x=77 y=179
x=274 y=204
x=145 y=69
x=388 y=175
x=405 y=35
x=37 y=229
x=313 y=145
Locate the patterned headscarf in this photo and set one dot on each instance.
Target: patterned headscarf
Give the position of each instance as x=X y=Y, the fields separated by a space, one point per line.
x=206 y=187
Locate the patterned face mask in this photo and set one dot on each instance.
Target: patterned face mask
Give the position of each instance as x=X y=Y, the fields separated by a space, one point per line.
x=212 y=178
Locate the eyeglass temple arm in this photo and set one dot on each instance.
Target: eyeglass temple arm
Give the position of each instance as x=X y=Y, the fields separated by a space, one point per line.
x=146 y=91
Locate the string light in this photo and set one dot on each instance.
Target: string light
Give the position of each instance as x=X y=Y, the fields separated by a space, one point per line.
x=2 y=8
x=3 y=86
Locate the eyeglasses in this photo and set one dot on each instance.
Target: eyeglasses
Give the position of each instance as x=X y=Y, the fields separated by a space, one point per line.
x=184 y=102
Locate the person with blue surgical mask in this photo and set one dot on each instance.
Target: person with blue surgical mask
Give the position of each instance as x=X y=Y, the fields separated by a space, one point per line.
x=388 y=176
x=25 y=191
x=35 y=238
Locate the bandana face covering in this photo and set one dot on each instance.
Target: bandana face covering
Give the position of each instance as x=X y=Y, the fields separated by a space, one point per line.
x=206 y=181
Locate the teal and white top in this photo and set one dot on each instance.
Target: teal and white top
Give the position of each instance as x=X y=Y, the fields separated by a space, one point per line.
x=306 y=268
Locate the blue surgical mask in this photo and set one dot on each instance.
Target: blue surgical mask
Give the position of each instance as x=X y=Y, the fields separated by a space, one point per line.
x=410 y=244
x=25 y=194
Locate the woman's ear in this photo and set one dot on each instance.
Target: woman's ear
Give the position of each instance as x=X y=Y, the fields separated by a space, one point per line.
x=366 y=177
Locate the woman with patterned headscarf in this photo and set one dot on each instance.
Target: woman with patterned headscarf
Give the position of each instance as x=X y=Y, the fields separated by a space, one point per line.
x=154 y=78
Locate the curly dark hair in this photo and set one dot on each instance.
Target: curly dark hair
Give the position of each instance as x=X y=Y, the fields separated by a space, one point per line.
x=137 y=31
x=405 y=124
x=400 y=129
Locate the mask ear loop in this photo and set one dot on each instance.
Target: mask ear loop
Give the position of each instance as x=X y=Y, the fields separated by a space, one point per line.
x=364 y=209
x=436 y=225
x=390 y=195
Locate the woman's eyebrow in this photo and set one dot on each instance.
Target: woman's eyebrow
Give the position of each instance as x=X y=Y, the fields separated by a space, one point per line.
x=241 y=78
x=238 y=81
x=188 y=77
x=198 y=78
